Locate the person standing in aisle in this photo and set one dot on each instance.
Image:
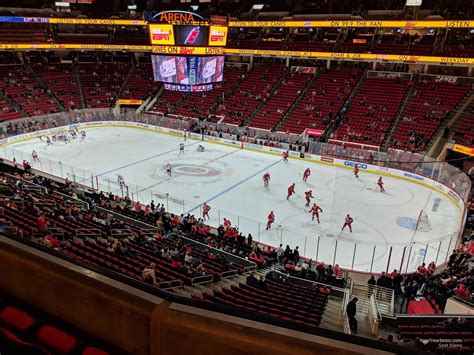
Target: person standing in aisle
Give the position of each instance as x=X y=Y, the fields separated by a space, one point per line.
x=351 y=311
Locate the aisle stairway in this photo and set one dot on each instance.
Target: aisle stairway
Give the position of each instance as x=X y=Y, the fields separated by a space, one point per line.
x=385 y=298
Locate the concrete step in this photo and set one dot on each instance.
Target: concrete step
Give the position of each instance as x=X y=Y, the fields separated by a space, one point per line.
x=332 y=317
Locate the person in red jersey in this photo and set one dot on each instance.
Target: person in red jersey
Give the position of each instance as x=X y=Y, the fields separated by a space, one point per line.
x=42 y=223
x=422 y=271
x=205 y=211
x=168 y=169
x=291 y=191
x=356 y=171
x=266 y=178
x=348 y=223
x=137 y=206
x=271 y=219
x=227 y=224
x=306 y=174
x=380 y=183
x=315 y=212
x=50 y=241
x=308 y=197
x=285 y=156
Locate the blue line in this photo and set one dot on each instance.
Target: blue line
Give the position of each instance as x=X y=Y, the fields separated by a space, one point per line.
x=140 y=161
x=235 y=185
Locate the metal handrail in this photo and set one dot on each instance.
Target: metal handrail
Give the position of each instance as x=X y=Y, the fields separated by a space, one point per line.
x=199 y=280
x=227 y=274
x=312 y=283
x=89 y=232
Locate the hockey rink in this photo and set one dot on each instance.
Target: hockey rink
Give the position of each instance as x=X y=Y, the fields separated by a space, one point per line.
x=230 y=181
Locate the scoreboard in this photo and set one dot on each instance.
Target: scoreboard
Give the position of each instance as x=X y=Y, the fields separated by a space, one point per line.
x=188 y=50
x=188 y=35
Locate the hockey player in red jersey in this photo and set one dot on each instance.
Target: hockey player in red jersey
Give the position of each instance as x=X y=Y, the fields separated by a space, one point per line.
x=168 y=169
x=266 y=178
x=348 y=223
x=205 y=211
x=356 y=171
x=315 y=211
x=291 y=191
x=306 y=174
x=285 y=156
x=271 y=219
x=380 y=183
x=308 y=197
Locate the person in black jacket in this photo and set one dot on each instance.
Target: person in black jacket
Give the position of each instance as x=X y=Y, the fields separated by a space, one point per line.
x=296 y=255
x=407 y=294
x=351 y=310
x=370 y=285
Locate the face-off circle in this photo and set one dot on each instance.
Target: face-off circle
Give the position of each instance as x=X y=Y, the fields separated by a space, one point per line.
x=189 y=172
x=194 y=170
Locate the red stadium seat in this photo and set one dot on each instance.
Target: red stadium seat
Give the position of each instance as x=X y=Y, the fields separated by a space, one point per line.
x=56 y=340
x=10 y=343
x=94 y=351
x=16 y=319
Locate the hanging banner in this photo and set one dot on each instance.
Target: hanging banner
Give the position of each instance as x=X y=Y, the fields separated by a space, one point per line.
x=187 y=50
x=106 y=47
x=73 y=21
x=179 y=50
x=176 y=16
x=406 y=58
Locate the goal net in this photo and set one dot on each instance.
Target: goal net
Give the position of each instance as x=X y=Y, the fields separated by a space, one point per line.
x=423 y=224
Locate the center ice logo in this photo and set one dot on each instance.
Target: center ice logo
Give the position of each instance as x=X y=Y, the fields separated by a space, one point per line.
x=190 y=172
x=194 y=170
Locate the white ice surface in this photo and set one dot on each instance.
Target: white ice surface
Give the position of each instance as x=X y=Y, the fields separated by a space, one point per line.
x=231 y=180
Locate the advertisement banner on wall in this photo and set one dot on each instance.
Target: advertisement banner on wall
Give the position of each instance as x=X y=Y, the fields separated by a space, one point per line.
x=463 y=149
x=161 y=34
x=217 y=36
x=305 y=70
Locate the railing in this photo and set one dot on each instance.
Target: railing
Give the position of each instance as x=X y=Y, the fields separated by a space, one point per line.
x=345 y=323
x=86 y=234
x=374 y=315
x=335 y=291
x=170 y=284
x=384 y=297
x=31 y=186
x=58 y=233
x=357 y=255
x=248 y=265
x=345 y=301
x=200 y=280
x=228 y=274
